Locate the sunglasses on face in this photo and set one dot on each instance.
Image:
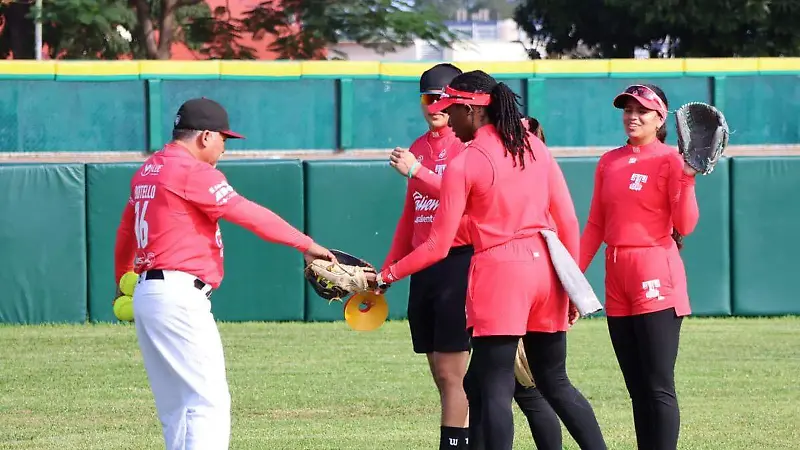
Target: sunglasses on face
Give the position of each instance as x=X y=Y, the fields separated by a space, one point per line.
x=429 y=99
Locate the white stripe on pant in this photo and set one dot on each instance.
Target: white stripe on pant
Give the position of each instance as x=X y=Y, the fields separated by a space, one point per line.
x=184 y=360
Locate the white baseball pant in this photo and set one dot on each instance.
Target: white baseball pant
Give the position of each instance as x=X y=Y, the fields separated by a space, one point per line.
x=182 y=353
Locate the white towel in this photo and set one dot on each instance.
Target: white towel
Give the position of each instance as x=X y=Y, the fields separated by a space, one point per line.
x=578 y=289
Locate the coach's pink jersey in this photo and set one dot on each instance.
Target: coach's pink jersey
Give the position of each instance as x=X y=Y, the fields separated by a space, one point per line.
x=171 y=220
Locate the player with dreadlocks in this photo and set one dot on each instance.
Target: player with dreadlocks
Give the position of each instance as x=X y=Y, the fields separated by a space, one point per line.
x=513 y=291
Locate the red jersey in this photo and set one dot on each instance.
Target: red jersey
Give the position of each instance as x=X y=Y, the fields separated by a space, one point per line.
x=640 y=194
x=171 y=219
x=434 y=150
x=501 y=202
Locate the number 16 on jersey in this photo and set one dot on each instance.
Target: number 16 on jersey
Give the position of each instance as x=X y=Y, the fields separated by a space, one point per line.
x=140 y=224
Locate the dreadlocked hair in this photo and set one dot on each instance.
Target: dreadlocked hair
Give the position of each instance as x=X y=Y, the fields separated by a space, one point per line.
x=502 y=111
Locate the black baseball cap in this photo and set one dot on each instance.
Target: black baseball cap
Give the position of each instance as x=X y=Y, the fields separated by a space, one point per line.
x=437 y=77
x=204 y=114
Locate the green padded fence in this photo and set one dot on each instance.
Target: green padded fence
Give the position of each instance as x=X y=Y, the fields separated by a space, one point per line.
x=263 y=281
x=762 y=110
x=579 y=112
x=347 y=112
x=354 y=206
x=58 y=116
x=765 y=219
x=107 y=192
x=43 y=242
x=706 y=252
x=282 y=115
x=60 y=221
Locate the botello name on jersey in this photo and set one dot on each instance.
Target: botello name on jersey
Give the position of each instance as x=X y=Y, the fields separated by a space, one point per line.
x=144 y=191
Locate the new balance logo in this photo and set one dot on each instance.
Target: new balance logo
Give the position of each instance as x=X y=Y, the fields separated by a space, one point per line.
x=638 y=180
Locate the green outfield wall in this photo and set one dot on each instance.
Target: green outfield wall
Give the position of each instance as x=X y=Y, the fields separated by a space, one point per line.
x=58 y=224
x=70 y=106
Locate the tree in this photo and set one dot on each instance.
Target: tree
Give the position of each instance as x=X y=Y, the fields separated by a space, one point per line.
x=722 y=28
x=302 y=29
x=680 y=28
x=581 y=28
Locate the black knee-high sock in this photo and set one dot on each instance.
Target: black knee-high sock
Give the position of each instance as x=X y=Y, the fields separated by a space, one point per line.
x=453 y=438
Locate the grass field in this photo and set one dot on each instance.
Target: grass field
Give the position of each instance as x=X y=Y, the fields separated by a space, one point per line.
x=322 y=386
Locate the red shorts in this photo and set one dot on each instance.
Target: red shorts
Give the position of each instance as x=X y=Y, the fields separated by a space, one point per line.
x=513 y=288
x=642 y=280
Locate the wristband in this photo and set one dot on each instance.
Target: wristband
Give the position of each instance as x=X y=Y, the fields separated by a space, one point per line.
x=411 y=169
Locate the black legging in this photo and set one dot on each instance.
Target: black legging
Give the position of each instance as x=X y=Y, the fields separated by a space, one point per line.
x=491 y=384
x=542 y=420
x=647 y=348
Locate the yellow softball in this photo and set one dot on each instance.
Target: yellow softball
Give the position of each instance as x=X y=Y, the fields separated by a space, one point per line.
x=128 y=282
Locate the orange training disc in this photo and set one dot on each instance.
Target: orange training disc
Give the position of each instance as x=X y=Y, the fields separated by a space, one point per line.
x=366 y=311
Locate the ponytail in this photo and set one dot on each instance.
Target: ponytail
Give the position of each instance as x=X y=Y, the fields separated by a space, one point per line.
x=535 y=128
x=504 y=113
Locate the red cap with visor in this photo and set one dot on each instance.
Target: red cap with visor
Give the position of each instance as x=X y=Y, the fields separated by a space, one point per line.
x=645 y=96
x=452 y=97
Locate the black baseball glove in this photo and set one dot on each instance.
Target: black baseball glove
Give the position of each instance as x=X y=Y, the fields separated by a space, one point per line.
x=702 y=135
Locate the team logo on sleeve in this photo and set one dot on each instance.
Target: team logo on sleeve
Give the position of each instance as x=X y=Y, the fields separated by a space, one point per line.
x=222 y=192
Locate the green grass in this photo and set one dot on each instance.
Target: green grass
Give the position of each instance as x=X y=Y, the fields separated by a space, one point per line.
x=322 y=386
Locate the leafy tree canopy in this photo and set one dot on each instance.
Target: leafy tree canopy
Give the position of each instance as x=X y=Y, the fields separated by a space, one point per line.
x=297 y=29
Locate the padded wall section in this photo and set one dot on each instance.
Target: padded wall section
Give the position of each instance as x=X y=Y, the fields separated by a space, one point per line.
x=273 y=115
x=43 y=240
x=263 y=281
x=579 y=111
x=762 y=109
x=765 y=246
x=56 y=116
x=359 y=218
x=388 y=113
x=107 y=192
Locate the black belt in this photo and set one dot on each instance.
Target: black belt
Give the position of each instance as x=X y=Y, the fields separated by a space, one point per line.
x=158 y=274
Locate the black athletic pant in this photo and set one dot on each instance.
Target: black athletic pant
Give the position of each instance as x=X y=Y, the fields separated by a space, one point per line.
x=490 y=389
x=542 y=420
x=647 y=347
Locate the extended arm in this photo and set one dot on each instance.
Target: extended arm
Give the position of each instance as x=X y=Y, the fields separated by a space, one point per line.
x=125 y=246
x=208 y=190
x=401 y=243
x=594 y=231
x=683 y=202
x=562 y=210
x=453 y=200
x=267 y=225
